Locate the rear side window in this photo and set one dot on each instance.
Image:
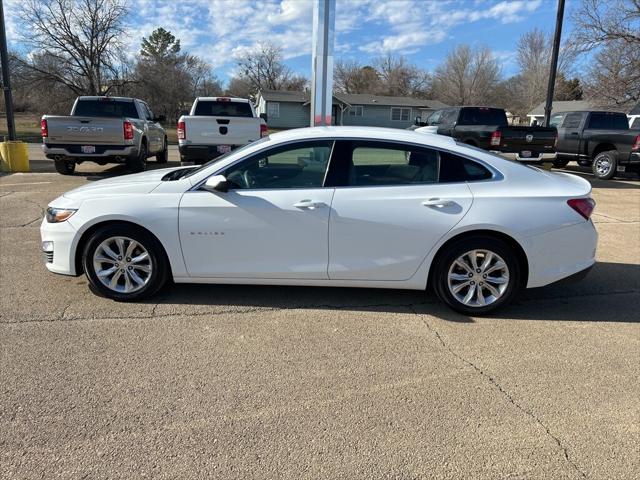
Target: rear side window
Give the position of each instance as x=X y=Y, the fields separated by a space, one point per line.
x=636 y=123
x=608 y=121
x=572 y=120
x=483 y=116
x=105 y=107
x=368 y=163
x=216 y=108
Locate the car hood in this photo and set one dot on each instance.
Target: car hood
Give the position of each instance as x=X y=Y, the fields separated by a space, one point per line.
x=143 y=182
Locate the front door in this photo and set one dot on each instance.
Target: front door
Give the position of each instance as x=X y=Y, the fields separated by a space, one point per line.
x=393 y=210
x=272 y=223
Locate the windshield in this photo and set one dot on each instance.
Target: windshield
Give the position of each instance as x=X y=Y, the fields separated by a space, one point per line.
x=228 y=154
x=217 y=108
x=105 y=107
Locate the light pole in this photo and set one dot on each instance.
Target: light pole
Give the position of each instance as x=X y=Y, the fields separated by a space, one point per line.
x=554 y=62
x=322 y=62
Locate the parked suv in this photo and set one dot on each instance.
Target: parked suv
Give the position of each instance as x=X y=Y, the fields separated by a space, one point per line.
x=487 y=128
x=600 y=139
x=104 y=130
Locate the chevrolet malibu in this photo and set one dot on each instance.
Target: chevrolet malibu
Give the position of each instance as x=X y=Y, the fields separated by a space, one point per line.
x=330 y=206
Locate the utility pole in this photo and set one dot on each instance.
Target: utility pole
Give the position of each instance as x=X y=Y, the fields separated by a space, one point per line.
x=554 y=62
x=6 y=80
x=324 y=15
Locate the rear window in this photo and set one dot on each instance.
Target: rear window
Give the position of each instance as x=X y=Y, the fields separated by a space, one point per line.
x=608 y=121
x=483 y=116
x=105 y=108
x=216 y=108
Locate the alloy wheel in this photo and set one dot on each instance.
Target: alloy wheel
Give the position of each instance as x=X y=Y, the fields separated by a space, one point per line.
x=122 y=264
x=603 y=166
x=478 y=278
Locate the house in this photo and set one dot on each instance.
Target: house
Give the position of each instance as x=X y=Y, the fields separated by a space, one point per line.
x=634 y=117
x=293 y=109
x=537 y=114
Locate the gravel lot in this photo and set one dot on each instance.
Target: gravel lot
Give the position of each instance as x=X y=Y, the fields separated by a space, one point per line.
x=269 y=382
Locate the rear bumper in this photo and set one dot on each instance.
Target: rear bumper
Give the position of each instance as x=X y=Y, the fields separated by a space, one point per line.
x=561 y=253
x=542 y=157
x=200 y=153
x=103 y=152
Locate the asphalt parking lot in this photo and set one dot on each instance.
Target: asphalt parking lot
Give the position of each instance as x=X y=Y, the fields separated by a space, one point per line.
x=271 y=382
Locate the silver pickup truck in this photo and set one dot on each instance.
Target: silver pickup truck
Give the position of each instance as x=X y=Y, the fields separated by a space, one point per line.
x=104 y=130
x=215 y=126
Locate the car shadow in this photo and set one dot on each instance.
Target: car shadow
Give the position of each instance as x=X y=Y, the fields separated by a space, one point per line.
x=619 y=182
x=92 y=171
x=610 y=293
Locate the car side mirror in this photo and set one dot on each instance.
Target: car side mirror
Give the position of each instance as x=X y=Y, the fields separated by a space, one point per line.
x=263 y=116
x=216 y=183
x=160 y=118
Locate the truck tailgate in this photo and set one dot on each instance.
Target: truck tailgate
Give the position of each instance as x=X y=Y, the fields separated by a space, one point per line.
x=206 y=130
x=535 y=139
x=85 y=130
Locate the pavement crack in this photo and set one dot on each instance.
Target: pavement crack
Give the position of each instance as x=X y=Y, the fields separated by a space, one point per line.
x=494 y=383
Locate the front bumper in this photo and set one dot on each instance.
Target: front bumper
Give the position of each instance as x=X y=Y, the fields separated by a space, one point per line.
x=542 y=157
x=59 y=258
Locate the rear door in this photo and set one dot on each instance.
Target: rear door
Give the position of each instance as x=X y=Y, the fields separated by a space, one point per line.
x=155 y=133
x=392 y=204
x=569 y=133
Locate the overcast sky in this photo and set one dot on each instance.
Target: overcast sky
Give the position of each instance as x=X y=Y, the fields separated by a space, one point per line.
x=422 y=30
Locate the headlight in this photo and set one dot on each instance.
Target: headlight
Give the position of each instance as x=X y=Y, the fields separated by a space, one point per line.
x=57 y=215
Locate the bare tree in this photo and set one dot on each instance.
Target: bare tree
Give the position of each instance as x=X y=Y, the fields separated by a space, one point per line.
x=468 y=76
x=612 y=30
x=264 y=69
x=400 y=78
x=77 y=41
x=352 y=77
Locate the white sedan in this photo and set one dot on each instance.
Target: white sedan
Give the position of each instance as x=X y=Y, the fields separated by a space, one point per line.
x=330 y=206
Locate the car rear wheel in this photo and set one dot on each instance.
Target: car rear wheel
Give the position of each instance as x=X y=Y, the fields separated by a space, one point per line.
x=163 y=156
x=560 y=163
x=65 y=167
x=124 y=263
x=139 y=163
x=477 y=275
x=605 y=164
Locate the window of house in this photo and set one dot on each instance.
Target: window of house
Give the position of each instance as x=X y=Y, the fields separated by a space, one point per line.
x=356 y=111
x=273 y=110
x=399 y=114
x=298 y=165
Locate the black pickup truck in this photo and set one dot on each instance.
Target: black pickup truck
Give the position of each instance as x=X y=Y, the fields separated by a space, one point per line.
x=600 y=139
x=487 y=128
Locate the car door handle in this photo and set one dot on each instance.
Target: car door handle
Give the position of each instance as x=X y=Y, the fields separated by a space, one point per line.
x=309 y=204
x=438 y=202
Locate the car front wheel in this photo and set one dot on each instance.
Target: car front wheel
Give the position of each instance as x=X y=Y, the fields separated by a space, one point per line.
x=477 y=275
x=124 y=263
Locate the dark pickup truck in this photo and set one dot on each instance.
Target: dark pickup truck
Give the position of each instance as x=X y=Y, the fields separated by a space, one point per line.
x=487 y=128
x=600 y=139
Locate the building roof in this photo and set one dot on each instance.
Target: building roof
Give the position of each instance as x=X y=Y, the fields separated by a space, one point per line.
x=562 y=106
x=635 y=110
x=352 y=99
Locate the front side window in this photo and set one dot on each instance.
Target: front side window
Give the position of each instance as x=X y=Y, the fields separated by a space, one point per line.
x=400 y=114
x=556 y=120
x=273 y=110
x=435 y=118
x=299 y=165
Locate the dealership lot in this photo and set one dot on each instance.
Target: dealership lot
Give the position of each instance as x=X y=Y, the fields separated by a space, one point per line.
x=266 y=382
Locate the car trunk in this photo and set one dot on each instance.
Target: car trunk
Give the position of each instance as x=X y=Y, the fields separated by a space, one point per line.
x=528 y=139
x=208 y=130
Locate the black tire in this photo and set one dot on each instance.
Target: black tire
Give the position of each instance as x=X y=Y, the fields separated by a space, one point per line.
x=605 y=164
x=584 y=163
x=446 y=260
x=157 y=261
x=163 y=156
x=560 y=162
x=65 y=167
x=139 y=163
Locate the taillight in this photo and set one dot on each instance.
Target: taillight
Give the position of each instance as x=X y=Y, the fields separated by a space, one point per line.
x=584 y=206
x=182 y=131
x=263 y=130
x=496 y=138
x=44 y=128
x=128 y=130
x=635 y=146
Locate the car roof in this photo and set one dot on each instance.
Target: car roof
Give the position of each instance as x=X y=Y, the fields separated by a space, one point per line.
x=372 y=133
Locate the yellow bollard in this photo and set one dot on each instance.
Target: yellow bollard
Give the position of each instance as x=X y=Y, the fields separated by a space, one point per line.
x=14 y=156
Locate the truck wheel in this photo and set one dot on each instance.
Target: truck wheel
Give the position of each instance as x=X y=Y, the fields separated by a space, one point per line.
x=560 y=163
x=163 y=156
x=65 y=167
x=605 y=164
x=139 y=163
